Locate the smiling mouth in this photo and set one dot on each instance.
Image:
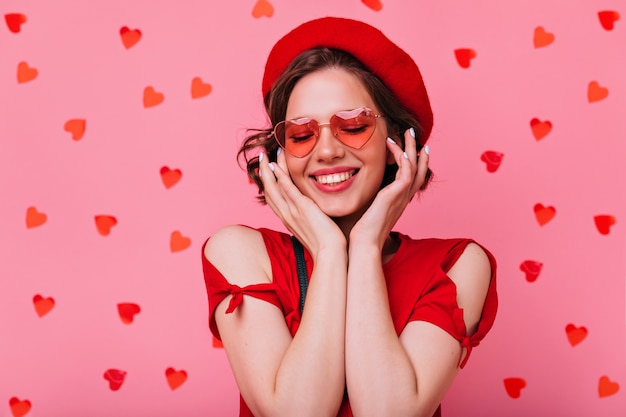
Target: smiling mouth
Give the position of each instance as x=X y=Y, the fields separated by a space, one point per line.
x=335 y=179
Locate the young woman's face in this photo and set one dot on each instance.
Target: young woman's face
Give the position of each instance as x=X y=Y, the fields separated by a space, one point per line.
x=342 y=180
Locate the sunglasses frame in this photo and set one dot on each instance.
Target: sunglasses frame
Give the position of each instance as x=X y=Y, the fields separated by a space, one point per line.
x=320 y=125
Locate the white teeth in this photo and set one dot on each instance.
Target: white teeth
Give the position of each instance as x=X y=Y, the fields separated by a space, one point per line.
x=334 y=179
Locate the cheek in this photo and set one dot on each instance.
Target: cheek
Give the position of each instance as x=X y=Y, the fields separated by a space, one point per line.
x=295 y=168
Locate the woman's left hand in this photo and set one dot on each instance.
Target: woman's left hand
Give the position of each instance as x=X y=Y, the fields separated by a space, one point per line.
x=390 y=202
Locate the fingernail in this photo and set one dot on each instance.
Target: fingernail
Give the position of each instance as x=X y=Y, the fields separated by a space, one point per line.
x=261 y=155
x=405 y=155
x=391 y=140
x=427 y=149
x=412 y=132
x=271 y=165
x=279 y=151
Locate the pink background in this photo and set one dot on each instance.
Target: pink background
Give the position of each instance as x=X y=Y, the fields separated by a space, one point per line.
x=55 y=360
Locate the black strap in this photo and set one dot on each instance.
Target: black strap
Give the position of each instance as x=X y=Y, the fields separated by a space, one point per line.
x=303 y=279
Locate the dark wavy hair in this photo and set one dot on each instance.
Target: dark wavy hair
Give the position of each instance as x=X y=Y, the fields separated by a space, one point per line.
x=397 y=117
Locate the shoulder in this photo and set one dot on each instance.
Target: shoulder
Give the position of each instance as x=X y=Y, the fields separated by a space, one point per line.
x=472 y=274
x=239 y=253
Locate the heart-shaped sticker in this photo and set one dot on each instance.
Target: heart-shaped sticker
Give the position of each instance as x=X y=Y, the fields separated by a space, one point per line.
x=606 y=387
x=608 y=18
x=575 y=335
x=115 y=377
x=263 y=8
x=104 y=223
x=151 y=97
x=170 y=177
x=464 y=56
x=76 y=127
x=15 y=21
x=595 y=92
x=199 y=88
x=532 y=269
x=604 y=222
x=43 y=305
x=130 y=37
x=34 y=218
x=175 y=378
x=178 y=242
x=493 y=160
x=540 y=128
x=26 y=73
x=544 y=214
x=542 y=38
x=514 y=386
x=375 y=5
x=19 y=408
x=127 y=312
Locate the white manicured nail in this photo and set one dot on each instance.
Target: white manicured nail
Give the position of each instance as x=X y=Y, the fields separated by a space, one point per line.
x=261 y=155
x=405 y=155
x=427 y=149
x=412 y=132
x=271 y=165
x=391 y=140
x=279 y=151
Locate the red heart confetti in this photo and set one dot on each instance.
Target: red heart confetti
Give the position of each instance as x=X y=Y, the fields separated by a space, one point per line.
x=19 y=408
x=542 y=38
x=544 y=214
x=76 y=127
x=375 y=5
x=263 y=8
x=25 y=73
x=34 y=218
x=43 y=305
x=604 y=222
x=532 y=269
x=175 y=378
x=178 y=242
x=199 y=88
x=104 y=223
x=127 y=312
x=608 y=18
x=151 y=97
x=115 y=378
x=170 y=177
x=540 y=128
x=595 y=92
x=575 y=335
x=464 y=56
x=493 y=160
x=15 y=21
x=514 y=386
x=130 y=37
x=606 y=387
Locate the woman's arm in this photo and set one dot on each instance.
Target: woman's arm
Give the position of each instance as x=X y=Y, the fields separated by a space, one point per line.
x=409 y=375
x=279 y=375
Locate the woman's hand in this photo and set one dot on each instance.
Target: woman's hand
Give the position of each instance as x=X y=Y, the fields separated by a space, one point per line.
x=302 y=217
x=380 y=218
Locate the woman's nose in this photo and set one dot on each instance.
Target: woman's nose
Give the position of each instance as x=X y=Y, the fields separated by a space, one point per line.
x=328 y=146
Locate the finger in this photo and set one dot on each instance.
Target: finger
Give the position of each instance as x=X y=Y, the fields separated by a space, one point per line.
x=410 y=145
x=406 y=170
x=281 y=160
x=422 y=167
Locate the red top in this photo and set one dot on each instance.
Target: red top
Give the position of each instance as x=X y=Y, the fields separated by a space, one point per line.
x=417 y=285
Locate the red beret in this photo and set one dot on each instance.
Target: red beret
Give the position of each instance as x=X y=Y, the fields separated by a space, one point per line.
x=367 y=44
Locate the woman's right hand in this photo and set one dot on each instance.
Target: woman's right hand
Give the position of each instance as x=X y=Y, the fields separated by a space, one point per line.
x=300 y=215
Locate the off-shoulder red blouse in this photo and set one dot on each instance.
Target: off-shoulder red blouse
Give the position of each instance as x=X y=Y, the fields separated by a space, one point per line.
x=417 y=285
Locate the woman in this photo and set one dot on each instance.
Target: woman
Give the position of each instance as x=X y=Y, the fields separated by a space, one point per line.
x=386 y=321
